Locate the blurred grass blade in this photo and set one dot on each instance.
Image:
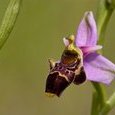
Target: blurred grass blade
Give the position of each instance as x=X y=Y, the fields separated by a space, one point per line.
x=9 y=20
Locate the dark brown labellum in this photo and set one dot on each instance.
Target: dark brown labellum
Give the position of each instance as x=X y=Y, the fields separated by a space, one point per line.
x=80 y=78
x=56 y=84
x=62 y=73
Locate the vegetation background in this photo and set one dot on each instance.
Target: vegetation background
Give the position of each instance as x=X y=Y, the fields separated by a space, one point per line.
x=37 y=36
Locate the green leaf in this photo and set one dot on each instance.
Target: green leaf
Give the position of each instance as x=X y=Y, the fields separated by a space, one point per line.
x=9 y=20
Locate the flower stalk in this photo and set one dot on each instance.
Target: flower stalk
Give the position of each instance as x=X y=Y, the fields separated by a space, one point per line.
x=94 y=109
x=110 y=103
x=9 y=20
x=104 y=12
x=99 y=97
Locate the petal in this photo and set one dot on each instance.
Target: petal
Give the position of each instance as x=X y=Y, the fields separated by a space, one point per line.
x=99 y=69
x=90 y=49
x=69 y=40
x=87 y=31
x=65 y=41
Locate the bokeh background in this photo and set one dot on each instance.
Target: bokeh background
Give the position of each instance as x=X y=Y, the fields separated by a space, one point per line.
x=37 y=36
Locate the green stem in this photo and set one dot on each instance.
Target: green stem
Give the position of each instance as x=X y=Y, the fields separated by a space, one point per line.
x=9 y=20
x=108 y=105
x=98 y=98
x=104 y=13
x=94 y=109
x=100 y=92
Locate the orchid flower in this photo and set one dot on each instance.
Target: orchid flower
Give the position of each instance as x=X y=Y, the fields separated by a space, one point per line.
x=80 y=60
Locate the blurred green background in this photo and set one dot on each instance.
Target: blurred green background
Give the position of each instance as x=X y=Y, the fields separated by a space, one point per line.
x=37 y=36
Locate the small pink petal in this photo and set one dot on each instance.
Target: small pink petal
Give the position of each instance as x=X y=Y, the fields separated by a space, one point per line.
x=90 y=49
x=99 y=69
x=66 y=42
x=87 y=31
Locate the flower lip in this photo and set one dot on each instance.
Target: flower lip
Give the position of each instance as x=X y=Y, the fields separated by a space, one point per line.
x=55 y=84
